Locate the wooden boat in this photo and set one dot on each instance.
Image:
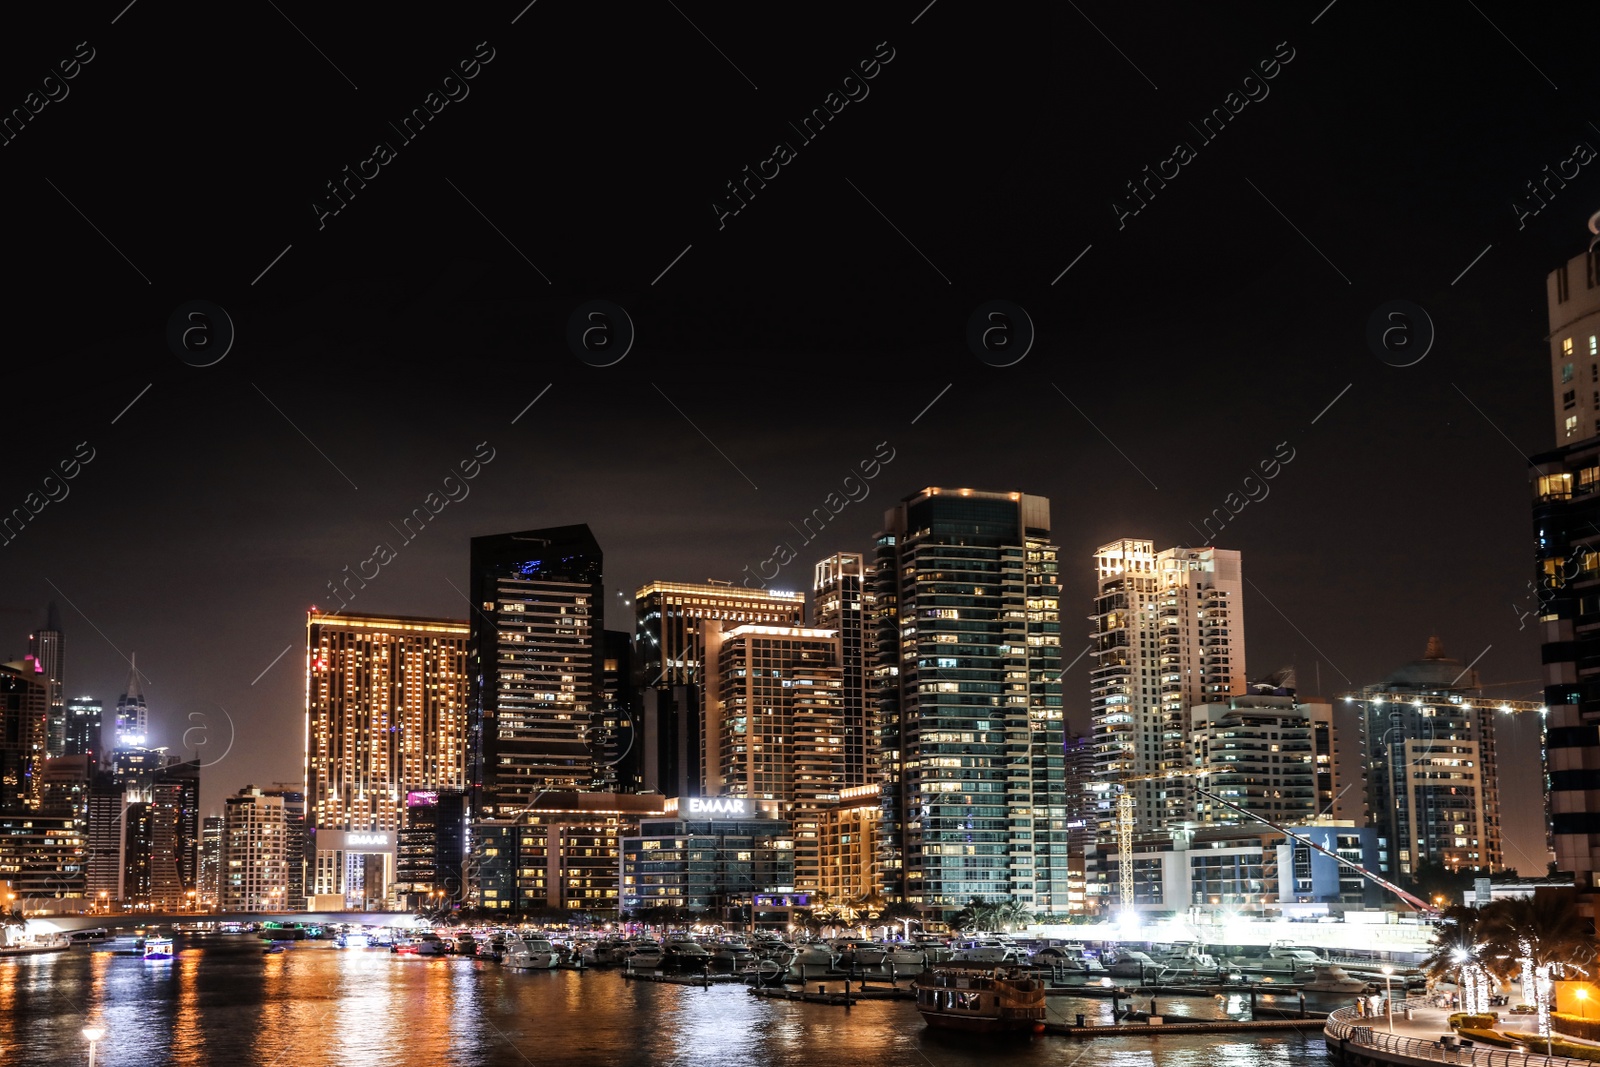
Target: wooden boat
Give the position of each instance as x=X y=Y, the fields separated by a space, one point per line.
x=979 y=996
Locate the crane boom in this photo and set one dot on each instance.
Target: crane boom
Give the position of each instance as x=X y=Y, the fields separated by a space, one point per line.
x=1416 y=902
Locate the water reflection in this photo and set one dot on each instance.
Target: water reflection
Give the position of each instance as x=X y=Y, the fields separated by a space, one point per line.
x=224 y=1002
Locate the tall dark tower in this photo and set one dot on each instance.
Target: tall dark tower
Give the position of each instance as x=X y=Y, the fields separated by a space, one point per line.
x=45 y=646
x=971 y=701
x=537 y=669
x=1565 y=589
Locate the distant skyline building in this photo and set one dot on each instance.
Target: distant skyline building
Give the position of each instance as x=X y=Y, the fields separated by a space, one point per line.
x=1260 y=748
x=842 y=601
x=673 y=622
x=133 y=716
x=614 y=738
x=1433 y=775
x=84 y=718
x=675 y=618
x=430 y=868
x=46 y=647
x=24 y=736
x=969 y=661
x=386 y=712
x=537 y=667
x=1168 y=635
x=254 y=871
x=299 y=858
x=211 y=832
x=775 y=726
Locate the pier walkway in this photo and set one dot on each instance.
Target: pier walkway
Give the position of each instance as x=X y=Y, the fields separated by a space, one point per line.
x=1355 y=1039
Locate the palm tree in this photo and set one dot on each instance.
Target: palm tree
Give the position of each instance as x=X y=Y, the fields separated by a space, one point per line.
x=970 y=917
x=1013 y=913
x=1546 y=936
x=1458 y=954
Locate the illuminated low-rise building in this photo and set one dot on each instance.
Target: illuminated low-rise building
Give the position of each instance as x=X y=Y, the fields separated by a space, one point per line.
x=709 y=856
x=850 y=867
x=560 y=855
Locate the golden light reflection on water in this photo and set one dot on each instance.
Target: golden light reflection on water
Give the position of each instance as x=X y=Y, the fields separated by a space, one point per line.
x=223 y=1002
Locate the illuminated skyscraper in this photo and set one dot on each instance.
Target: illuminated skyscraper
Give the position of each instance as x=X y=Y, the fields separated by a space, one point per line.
x=843 y=602
x=775 y=727
x=972 y=726
x=1563 y=599
x=84 y=718
x=675 y=621
x=254 y=871
x=24 y=736
x=386 y=713
x=47 y=650
x=133 y=718
x=1168 y=635
x=537 y=666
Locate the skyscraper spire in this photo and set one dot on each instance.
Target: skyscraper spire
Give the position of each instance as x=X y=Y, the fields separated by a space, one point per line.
x=133 y=691
x=133 y=718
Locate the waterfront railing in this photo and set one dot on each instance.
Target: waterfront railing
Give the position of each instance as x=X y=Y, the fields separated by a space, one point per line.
x=1349 y=1025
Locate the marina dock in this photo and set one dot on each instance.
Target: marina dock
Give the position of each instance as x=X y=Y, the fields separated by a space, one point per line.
x=1208 y=1026
x=834 y=997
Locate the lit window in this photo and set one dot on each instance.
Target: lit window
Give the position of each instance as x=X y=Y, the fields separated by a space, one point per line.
x=1572 y=425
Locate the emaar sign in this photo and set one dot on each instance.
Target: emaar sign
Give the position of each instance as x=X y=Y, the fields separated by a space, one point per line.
x=718 y=806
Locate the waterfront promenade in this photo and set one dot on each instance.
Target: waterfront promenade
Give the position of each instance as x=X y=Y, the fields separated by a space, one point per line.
x=1355 y=1039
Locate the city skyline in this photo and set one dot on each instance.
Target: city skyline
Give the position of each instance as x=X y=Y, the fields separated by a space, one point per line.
x=1249 y=279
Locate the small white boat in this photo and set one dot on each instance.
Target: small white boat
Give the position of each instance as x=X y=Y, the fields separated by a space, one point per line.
x=989 y=950
x=606 y=953
x=1332 y=978
x=646 y=956
x=352 y=939
x=809 y=959
x=158 y=948
x=1131 y=963
x=903 y=957
x=733 y=953
x=531 y=953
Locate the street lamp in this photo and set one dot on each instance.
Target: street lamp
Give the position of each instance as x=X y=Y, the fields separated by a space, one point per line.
x=1388 y=1001
x=93 y=1033
x=1583 y=1002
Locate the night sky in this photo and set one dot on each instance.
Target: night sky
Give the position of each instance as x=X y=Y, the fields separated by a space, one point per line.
x=587 y=158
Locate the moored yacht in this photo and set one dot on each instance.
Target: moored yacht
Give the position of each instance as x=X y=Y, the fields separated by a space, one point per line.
x=685 y=955
x=646 y=956
x=531 y=953
x=607 y=953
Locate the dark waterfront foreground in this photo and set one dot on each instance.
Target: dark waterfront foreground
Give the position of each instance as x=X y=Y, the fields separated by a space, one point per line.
x=222 y=1002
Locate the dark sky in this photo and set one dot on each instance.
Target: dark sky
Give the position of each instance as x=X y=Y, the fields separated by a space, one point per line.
x=778 y=347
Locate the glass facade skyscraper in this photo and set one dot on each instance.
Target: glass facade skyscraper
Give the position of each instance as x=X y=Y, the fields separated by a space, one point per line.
x=538 y=663
x=969 y=670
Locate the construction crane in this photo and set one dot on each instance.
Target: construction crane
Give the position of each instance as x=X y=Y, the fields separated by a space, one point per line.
x=1422 y=906
x=1125 y=826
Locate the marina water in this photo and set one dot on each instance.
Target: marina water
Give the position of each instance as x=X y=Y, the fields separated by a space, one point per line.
x=222 y=1002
